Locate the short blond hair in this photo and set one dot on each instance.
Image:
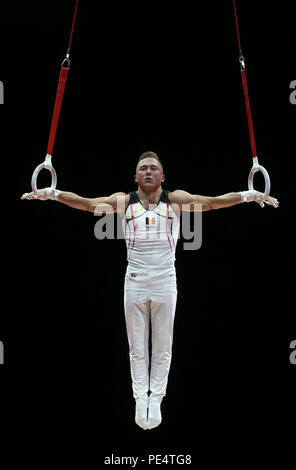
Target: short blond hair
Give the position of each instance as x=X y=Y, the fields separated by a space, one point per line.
x=150 y=154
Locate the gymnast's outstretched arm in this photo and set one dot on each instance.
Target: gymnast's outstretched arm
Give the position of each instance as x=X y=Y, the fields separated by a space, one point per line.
x=111 y=203
x=205 y=203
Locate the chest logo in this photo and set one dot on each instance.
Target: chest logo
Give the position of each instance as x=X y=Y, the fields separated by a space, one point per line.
x=150 y=220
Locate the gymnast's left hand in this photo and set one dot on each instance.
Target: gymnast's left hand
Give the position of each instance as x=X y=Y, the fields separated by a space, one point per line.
x=42 y=194
x=271 y=201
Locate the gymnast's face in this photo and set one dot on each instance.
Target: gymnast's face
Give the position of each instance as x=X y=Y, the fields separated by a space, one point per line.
x=149 y=174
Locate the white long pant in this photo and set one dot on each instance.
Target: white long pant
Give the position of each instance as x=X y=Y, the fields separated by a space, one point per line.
x=150 y=296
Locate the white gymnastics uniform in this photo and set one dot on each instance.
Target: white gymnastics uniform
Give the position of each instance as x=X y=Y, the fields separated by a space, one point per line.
x=150 y=292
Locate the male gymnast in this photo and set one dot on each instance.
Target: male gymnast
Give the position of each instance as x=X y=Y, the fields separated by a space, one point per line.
x=150 y=217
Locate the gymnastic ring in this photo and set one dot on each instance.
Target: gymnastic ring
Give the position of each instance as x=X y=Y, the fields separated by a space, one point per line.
x=46 y=165
x=256 y=167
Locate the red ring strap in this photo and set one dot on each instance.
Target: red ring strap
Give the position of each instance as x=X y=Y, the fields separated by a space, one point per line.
x=60 y=91
x=245 y=88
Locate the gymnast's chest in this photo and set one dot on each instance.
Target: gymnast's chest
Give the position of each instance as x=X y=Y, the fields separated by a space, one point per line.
x=142 y=220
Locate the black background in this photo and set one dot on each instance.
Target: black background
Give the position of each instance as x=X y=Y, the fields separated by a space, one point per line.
x=143 y=78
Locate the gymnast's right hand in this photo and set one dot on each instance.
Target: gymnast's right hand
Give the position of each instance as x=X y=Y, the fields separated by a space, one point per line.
x=42 y=194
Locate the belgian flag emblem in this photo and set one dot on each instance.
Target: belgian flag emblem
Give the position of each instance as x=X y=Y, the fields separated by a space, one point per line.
x=150 y=220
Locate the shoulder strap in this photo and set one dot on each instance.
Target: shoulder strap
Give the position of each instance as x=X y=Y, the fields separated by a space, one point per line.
x=165 y=196
x=133 y=197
